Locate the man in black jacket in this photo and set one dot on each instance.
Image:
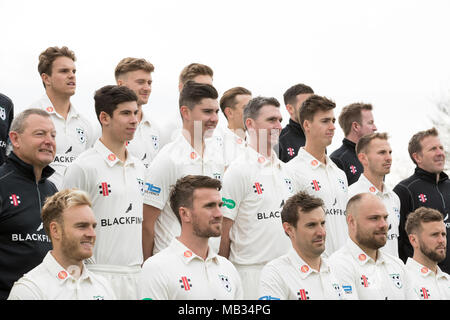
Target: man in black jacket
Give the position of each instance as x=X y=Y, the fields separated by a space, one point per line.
x=356 y=120
x=428 y=187
x=6 y=116
x=292 y=136
x=23 y=189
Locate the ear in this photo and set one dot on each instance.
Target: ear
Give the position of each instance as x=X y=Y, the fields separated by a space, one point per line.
x=413 y=240
x=355 y=126
x=249 y=123
x=185 y=214
x=104 y=118
x=306 y=125
x=180 y=86
x=416 y=157
x=120 y=82
x=290 y=109
x=55 y=230
x=288 y=229
x=46 y=79
x=351 y=221
x=362 y=157
x=185 y=112
x=14 y=137
x=228 y=112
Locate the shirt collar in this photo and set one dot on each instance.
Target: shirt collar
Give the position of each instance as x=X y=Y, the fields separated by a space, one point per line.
x=235 y=137
x=424 y=271
x=361 y=257
x=145 y=118
x=263 y=161
x=48 y=106
x=303 y=267
x=187 y=255
x=371 y=188
x=312 y=161
x=110 y=158
x=57 y=271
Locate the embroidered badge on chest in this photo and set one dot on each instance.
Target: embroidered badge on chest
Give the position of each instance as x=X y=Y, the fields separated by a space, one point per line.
x=225 y=282
x=81 y=135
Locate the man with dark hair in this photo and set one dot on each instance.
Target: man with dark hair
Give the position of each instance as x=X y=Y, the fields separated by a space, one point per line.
x=314 y=172
x=6 y=117
x=136 y=74
x=428 y=236
x=70 y=224
x=255 y=187
x=356 y=120
x=75 y=133
x=374 y=153
x=189 y=262
x=24 y=185
x=234 y=136
x=429 y=187
x=292 y=136
x=189 y=153
x=302 y=267
x=114 y=180
x=365 y=272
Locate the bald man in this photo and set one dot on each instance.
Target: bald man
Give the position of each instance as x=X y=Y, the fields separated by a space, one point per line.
x=365 y=272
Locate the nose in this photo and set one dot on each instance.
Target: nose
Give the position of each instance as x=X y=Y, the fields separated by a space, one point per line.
x=374 y=128
x=90 y=232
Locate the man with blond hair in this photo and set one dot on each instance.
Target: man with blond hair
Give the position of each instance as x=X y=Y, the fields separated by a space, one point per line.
x=75 y=133
x=136 y=74
x=197 y=72
x=429 y=187
x=70 y=223
x=374 y=153
x=356 y=120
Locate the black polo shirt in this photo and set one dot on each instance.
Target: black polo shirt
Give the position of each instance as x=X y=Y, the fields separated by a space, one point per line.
x=6 y=117
x=345 y=158
x=292 y=138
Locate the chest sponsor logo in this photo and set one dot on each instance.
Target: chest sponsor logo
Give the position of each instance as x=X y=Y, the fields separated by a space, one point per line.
x=14 y=200
x=315 y=185
x=2 y=113
x=130 y=207
x=272 y=215
x=31 y=236
x=104 y=189
x=353 y=169
x=81 y=135
x=225 y=282
x=155 y=141
x=258 y=188
x=395 y=277
x=185 y=283
x=152 y=189
x=422 y=198
x=120 y=221
x=69 y=150
x=302 y=294
x=291 y=151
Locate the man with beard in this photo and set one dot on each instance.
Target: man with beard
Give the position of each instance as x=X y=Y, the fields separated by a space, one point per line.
x=365 y=272
x=188 y=269
x=303 y=267
x=428 y=236
x=70 y=223
x=429 y=187
x=374 y=153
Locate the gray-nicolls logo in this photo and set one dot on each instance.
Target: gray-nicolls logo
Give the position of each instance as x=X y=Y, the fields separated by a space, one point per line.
x=41 y=226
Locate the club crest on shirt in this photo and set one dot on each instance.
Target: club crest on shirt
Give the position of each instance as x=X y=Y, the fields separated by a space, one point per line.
x=141 y=185
x=289 y=185
x=225 y=282
x=341 y=184
x=2 y=113
x=395 y=277
x=155 y=141
x=81 y=135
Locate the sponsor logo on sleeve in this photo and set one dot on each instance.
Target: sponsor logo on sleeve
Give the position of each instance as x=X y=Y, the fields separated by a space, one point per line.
x=230 y=204
x=268 y=298
x=152 y=189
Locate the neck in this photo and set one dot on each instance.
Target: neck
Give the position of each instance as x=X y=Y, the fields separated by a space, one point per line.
x=198 y=245
x=374 y=179
x=115 y=146
x=37 y=173
x=316 y=151
x=425 y=261
x=61 y=103
x=352 y=137
x=264 y=149
x=67 y=262
x=373 y=253
x=312 y=260
x=140 y=113
x=195 y=139
x=240 y=132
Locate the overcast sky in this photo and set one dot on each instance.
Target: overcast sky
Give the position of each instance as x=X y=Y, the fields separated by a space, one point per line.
x=393 y=54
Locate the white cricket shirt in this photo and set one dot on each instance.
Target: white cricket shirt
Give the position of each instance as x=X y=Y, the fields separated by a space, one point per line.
x=74 y=135
x=392 y=203
x=290 y=278
x=425 y=284
x=233 y=145
x=176 y=160
x=176 y=273
x=146 y=141
x=116 y=191
x=328 y=182
x=365 y=279
x=50 y=281
x=254 y=191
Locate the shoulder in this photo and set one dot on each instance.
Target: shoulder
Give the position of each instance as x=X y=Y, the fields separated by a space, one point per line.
x=5 y=101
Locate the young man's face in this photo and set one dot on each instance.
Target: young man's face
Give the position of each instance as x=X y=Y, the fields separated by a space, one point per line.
x=122 y=125
x=236 y=119
x=62 y=81
x=320 y=130
x=432 y=156
x=206 y=213
x=266 y=126
x=367 y=123
x=309 y=234
x=379 y=157
x=36 y=145
x=370 y=224
x=140 y=82
x=78 y=233
x=204 y=115
x=432 y=240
